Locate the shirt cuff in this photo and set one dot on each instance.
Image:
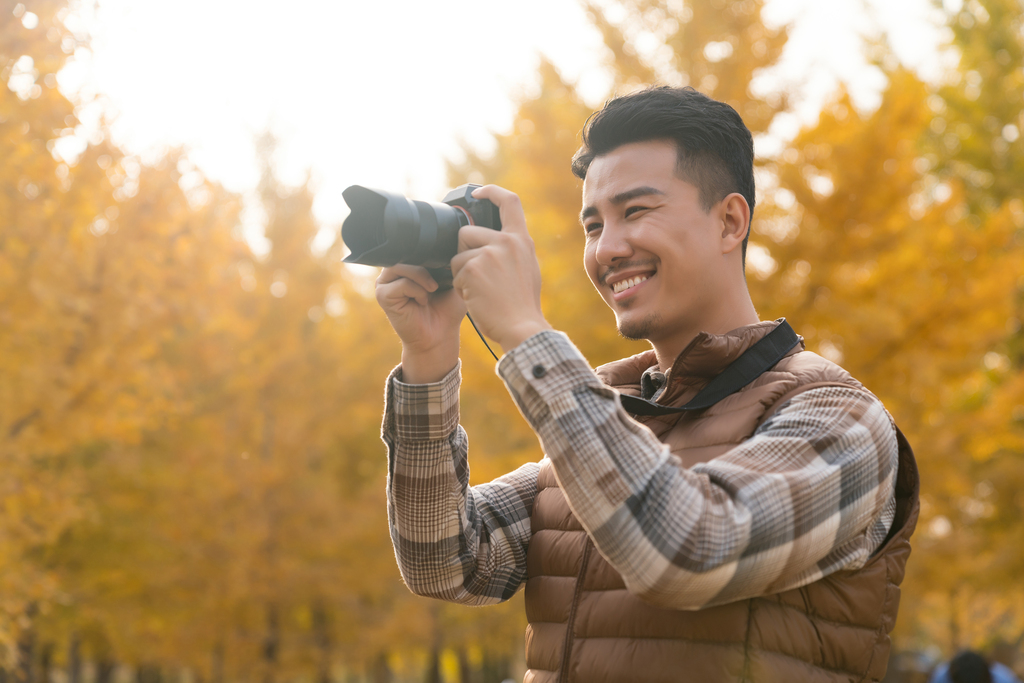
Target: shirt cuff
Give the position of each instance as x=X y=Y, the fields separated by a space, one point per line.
x=542 y=371
x=426 y=412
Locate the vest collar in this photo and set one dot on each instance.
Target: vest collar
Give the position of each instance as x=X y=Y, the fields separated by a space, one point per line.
x=704 y=357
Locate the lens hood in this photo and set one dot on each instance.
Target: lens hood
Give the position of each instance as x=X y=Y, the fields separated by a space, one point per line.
x=385 y=228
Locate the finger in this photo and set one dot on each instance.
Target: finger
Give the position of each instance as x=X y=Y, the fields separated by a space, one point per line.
x=399 y=291
x=484 y=254
x=474 y=237
x=459 y=261
x=511 y=209
x=417 y=274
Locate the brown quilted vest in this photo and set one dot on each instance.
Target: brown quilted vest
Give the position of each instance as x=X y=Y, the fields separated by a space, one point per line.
x=585 y=627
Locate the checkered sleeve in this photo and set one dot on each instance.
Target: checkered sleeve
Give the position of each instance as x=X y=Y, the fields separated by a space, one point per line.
x=811 y=493
x=452 y=541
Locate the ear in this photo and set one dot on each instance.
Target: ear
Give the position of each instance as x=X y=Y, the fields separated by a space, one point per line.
x=735 y=220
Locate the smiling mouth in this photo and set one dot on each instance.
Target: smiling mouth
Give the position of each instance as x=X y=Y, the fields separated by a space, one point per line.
x=623 y=285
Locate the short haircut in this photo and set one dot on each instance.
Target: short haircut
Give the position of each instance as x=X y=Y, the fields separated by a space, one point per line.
x=969 y=667
x=715 y=147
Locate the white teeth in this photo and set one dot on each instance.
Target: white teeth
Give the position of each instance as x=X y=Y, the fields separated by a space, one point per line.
x=626 y=284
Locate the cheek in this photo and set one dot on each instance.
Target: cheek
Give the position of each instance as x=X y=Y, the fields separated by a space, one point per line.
x=590 y=263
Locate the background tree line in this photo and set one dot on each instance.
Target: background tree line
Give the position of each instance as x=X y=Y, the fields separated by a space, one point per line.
x=193 y=482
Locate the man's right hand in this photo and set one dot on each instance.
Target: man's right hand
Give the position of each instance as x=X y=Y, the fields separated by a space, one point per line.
x=427 y=321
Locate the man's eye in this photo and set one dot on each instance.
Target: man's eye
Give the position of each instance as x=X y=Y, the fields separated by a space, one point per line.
x=591 y=227
x=633 y=209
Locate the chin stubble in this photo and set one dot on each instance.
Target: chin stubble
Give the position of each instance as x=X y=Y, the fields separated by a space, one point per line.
x=640 y=329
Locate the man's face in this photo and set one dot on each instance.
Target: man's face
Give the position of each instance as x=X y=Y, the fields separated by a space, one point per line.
x=652 y=252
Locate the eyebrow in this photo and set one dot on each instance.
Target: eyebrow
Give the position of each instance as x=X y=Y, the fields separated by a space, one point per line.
x=621 y=198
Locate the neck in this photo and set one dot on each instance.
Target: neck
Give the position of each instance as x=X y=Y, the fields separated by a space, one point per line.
x=724 y=316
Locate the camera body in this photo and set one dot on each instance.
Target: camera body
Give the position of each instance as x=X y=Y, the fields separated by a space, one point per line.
x=385 y=228
x=482 y=211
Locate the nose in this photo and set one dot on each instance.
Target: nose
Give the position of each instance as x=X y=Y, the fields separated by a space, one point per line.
x=612 y=245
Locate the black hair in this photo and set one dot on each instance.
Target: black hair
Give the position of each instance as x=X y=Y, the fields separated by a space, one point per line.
x=969 y=667
x=715 y=148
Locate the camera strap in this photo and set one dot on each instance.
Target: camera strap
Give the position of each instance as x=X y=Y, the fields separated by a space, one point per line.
x=760 y=357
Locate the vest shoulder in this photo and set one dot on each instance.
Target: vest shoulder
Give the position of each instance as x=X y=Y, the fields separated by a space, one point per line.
x=810 y=368
x=626 y=371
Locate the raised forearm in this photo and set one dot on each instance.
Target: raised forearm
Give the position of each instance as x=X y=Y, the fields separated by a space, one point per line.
x=449 y=540
x=723 y=530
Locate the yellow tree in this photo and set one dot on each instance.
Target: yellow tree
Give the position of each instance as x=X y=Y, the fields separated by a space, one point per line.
x=162 y=257
x=243 y=536
x=37 y=504
x=79 y=301
x=975 y=141
x=716 y=46
x=139 y=366
x=978 y=130
x=191 y=431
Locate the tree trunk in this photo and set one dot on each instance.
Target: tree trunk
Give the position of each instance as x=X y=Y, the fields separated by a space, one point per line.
x=495 y=669
x=24 y=671
x=322 y=637
x=45 y=663
x=381 y=670
x=74 y=659
x=433 y=674
x=105 y=667
x=217 y=664
x=148 y=673
x=466 y=673
x=271 y=645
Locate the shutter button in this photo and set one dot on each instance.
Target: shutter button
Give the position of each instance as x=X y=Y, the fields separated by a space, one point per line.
x=539 y=371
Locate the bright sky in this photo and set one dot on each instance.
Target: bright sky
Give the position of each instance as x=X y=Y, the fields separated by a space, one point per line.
x=381 y=93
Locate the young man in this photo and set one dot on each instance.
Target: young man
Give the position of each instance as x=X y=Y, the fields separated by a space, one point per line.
x=760 y=538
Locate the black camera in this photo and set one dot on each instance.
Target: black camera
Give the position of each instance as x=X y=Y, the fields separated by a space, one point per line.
x=385 y=228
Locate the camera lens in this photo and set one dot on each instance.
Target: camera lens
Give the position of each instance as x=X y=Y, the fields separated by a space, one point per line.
x=385 y=228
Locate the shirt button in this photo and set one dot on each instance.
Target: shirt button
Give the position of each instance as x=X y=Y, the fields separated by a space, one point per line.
x=539 y=371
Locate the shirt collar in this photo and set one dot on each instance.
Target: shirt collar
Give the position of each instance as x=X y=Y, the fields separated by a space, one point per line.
x=652 y=383
x=703 y=358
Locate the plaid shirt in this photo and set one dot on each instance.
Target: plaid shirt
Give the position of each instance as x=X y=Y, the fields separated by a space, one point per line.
x=809 y=494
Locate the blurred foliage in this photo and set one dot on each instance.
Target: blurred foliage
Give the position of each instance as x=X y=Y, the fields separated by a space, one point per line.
x=194 y=478
x=191 y=431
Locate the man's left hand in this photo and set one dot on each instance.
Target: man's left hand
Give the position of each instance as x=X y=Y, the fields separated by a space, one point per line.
x=497 y=273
